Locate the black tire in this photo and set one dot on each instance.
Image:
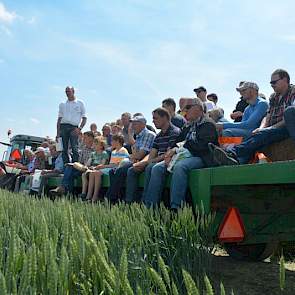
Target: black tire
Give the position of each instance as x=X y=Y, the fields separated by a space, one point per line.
x=253 y=252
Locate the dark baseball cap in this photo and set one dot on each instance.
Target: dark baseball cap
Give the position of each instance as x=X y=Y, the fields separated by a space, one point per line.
x=199 y=89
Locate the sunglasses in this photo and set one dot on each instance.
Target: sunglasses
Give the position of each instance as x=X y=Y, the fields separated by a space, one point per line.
x=188 y=107
x=274 y=82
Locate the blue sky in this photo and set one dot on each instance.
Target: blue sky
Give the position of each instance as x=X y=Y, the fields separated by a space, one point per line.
x=129 y=55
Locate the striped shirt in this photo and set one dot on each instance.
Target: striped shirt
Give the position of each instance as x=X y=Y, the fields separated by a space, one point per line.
x=166 y=140
x=118 y=156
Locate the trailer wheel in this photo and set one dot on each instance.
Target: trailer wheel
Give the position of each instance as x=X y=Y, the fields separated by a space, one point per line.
x=253 y=252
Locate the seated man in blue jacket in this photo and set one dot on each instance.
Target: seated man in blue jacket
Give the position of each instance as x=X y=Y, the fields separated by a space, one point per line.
x=252 y=116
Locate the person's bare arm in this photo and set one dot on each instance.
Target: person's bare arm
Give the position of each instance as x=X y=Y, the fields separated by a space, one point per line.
x=154 y=158
x=131 y=139
x=58 y=127
x=137 y=156
x=83 y=122
x=264 y=124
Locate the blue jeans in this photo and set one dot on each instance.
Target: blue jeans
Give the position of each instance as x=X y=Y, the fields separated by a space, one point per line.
x=236 y=132
x=67 y=135
x=70 y=174
x=132 y=182
x=246 y=150
x=155 y=175
x=289 y=116
x=179 y=181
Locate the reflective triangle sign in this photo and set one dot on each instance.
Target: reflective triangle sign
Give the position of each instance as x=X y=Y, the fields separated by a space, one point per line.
x=232 y=228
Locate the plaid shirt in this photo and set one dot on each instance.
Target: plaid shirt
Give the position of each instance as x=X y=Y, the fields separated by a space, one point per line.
x=144 y=140
x=278 y=104
x=98 y=158
x=84 y=154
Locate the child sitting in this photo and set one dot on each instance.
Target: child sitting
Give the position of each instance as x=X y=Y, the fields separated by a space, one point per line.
x=97 y=158
x=119 y=155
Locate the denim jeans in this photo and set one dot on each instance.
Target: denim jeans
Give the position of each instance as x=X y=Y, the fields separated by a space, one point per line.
x=289 y=116
x=246 y=150
x=154 y=183
x=179 y=181
x=236 y=132
x=70 y=174
x=132 y=181
x=67 y=135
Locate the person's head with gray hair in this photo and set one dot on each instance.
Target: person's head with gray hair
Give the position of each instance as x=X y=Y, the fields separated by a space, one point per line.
x=194 y=109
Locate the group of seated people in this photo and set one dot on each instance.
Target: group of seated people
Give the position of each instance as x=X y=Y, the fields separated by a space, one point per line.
x=186 y=140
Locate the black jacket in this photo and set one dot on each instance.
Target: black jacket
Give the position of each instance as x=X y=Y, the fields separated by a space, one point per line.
x=203 y=132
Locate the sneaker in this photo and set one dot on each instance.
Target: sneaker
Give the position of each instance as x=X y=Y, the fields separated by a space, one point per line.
x=82 y=196
x=60 y=190
x=221 y=157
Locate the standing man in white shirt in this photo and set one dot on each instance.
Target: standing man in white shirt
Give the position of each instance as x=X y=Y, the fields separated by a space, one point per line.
x=71 y=120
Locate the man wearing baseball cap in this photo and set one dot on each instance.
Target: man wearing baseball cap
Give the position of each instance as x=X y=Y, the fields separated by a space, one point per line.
x=141 y=147
x=237 y=113
x=252 y=116
x=272 y=128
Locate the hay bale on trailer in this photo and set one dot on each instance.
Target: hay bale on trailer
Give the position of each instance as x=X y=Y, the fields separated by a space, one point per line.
x=281 y=151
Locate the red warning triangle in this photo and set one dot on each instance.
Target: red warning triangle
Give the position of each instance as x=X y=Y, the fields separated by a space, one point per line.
x=232 y=228
x=16 y=155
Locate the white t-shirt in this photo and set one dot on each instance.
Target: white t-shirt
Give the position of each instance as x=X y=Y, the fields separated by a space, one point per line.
x=71 y=112
x=210 y=105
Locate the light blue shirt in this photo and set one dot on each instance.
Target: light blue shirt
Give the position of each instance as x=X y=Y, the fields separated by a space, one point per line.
x=252 y=116
x=59 y=163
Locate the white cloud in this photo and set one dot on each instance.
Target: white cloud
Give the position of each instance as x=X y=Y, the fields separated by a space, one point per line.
x=34 y=120
x=6 y=16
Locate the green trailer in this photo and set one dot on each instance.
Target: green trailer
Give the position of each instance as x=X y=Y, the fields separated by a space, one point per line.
x=262 y=195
